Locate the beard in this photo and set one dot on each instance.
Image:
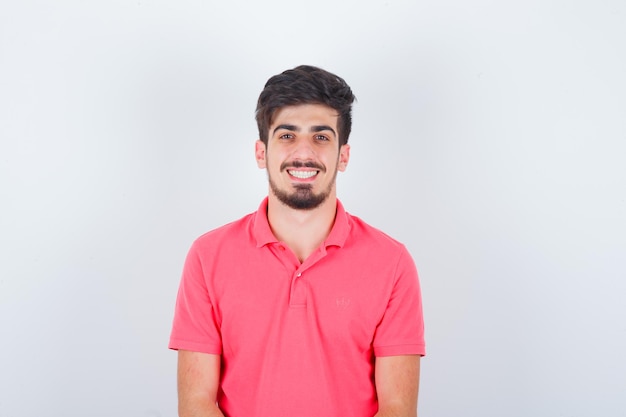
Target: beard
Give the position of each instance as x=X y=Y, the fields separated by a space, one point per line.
x=303 y=197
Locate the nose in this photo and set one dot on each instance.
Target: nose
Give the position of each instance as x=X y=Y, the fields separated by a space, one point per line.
x=303 y=150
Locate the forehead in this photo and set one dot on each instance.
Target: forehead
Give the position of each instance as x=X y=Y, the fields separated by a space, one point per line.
x=304 y=115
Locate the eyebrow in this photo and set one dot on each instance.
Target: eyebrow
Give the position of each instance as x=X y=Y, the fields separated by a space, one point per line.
x=315 y=129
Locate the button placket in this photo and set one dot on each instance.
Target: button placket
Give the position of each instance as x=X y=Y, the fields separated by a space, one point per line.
x=298 y=291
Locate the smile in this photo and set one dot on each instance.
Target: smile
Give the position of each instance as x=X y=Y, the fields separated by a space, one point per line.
x=302 y=174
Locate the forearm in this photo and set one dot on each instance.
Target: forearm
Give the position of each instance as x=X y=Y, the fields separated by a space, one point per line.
x=397 y=385
x=395 y=412
x=199 y=409
x=198 y=381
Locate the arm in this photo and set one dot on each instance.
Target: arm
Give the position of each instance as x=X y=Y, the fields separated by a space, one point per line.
x=198 y=382
x=397 y=384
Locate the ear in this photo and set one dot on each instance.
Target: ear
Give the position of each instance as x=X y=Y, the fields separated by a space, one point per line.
x=344 y=157
x=259 y=154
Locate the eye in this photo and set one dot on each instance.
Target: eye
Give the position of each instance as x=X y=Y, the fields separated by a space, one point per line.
x=286 y=136
x=321 y=138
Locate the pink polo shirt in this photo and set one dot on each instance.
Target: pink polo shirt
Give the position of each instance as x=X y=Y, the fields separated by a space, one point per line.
x=298 y=339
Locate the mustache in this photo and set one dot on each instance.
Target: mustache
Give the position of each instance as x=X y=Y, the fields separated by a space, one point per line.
x=301 y=164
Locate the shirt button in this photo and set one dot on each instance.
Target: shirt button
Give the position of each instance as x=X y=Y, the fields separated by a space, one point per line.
x=299 y=274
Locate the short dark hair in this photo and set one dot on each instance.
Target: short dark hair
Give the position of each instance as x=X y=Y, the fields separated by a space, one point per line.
x=305 y=84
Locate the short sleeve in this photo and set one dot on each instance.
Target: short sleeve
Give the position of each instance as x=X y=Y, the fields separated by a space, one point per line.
x=401 y=329
x=194 y=327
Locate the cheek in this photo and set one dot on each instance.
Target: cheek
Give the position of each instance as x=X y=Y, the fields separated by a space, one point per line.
x=272 y=163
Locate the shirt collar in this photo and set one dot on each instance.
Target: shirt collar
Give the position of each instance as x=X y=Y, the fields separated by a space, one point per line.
x=337 y=236
x=261 y=227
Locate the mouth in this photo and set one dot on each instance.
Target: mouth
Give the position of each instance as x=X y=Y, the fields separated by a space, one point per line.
x=302 y=174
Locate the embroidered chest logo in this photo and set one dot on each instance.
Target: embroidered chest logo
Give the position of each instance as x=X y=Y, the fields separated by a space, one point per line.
x=342 y=303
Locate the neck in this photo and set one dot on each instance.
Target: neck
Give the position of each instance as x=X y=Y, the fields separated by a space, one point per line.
x=303 y=231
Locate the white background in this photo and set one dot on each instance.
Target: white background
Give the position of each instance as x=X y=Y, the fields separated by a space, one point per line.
x=489 y=137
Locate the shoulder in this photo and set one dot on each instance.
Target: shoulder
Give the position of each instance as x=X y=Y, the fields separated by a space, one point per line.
x=380 y=249
x=237 y=232
x=364 y=234
x=379 y=257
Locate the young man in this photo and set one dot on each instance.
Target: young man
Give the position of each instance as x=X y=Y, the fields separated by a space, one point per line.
x=299 y=309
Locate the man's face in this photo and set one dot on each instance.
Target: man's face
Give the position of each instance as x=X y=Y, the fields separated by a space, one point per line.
x=303 y=155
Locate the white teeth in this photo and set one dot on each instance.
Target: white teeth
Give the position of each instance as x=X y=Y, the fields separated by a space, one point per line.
x=303 y=174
